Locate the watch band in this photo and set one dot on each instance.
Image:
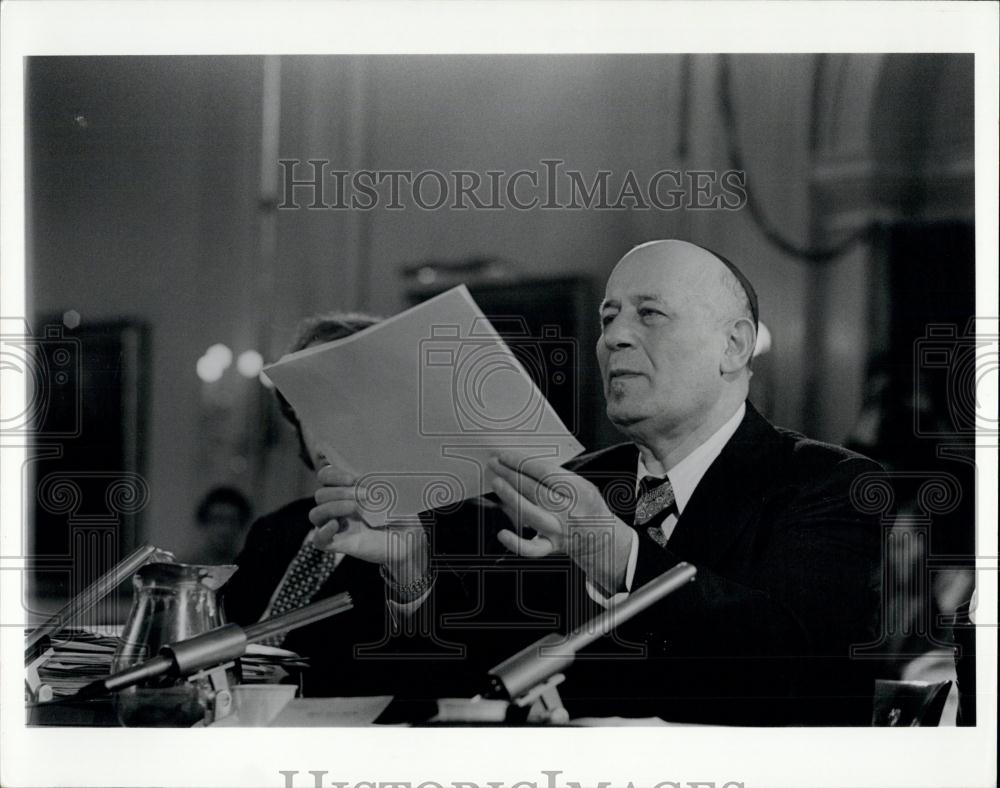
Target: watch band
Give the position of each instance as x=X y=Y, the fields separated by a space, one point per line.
x=407 y=592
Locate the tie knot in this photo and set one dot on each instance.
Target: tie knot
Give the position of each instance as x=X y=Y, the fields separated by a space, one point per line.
x=649 y=483
x=655 y=496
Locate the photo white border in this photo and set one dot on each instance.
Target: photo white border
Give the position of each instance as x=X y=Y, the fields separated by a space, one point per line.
x=756 y=757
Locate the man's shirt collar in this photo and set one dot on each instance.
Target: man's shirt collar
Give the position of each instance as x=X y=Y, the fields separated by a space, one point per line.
x=686 y=474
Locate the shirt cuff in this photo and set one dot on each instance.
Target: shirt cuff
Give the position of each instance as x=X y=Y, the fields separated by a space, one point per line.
x=401 y=610
x=633 y=558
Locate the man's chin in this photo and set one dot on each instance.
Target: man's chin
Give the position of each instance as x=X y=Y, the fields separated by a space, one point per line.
x=624 y=418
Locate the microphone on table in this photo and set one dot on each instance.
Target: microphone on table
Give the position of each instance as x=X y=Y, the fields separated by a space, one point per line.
x=225 y=643
x=531 y=667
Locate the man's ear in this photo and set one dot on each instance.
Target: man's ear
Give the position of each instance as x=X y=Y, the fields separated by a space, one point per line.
x=740 y=343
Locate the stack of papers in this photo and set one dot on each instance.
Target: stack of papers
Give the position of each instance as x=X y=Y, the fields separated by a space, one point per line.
x=268 y=665
x=79 y=657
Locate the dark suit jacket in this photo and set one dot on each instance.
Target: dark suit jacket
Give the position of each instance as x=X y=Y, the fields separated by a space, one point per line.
x=788 y=580
x=364 y=651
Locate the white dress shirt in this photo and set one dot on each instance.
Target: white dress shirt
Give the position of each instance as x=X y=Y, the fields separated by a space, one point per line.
x=684 y=478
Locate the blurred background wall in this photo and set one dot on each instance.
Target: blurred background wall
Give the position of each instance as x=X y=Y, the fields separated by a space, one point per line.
x=153 y=185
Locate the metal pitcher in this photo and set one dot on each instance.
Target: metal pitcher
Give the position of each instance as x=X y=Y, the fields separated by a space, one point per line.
x=171 y=602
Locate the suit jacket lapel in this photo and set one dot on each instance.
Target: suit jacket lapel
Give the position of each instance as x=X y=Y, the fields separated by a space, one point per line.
x=723 y=503
x=612 y=471
x=727 y=497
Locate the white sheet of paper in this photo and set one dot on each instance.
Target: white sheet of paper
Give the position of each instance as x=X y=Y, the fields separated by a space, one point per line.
x=331 y=712
x=415 y=405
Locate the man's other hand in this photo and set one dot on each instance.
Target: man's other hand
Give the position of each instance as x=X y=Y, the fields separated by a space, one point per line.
x=567 y=514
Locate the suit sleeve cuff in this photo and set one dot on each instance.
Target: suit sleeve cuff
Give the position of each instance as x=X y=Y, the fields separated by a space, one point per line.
x=652 y=561
x=633 y=558
x=408 y=608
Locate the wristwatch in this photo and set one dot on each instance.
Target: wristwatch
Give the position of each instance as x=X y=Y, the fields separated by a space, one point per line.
x=407 y=592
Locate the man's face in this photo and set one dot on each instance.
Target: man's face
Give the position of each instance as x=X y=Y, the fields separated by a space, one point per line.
x=662 y=340
x=316 y=456
x=309 y=441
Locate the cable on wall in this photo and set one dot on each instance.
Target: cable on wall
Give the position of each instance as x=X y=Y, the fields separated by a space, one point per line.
x=812 y=254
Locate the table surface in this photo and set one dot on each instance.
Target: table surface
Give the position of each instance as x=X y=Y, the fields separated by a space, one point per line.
x=334 y=712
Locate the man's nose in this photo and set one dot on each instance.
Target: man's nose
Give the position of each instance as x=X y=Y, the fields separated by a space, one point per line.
x=617 y=334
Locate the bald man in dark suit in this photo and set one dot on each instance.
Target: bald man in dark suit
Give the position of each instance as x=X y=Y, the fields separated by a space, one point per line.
x=788 y=563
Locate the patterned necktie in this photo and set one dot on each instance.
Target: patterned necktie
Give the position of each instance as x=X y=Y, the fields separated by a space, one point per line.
x=306 y=574
x=655 y=502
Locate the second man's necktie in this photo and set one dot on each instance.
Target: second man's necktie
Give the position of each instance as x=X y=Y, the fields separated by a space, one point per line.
x=306 y=574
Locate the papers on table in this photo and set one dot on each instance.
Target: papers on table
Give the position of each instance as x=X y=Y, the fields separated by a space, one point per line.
x=415 y=405
x=331 y=712
x=78 y=657
x=267 y=665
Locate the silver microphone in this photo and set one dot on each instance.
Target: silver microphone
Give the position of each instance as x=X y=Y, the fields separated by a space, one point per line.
x=555 y=652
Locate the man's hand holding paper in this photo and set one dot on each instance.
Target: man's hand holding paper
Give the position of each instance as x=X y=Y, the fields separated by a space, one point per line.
x=339 y=515
x=567 y=514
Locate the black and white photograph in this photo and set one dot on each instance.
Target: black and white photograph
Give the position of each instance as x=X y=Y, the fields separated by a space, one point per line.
x=499 y=395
